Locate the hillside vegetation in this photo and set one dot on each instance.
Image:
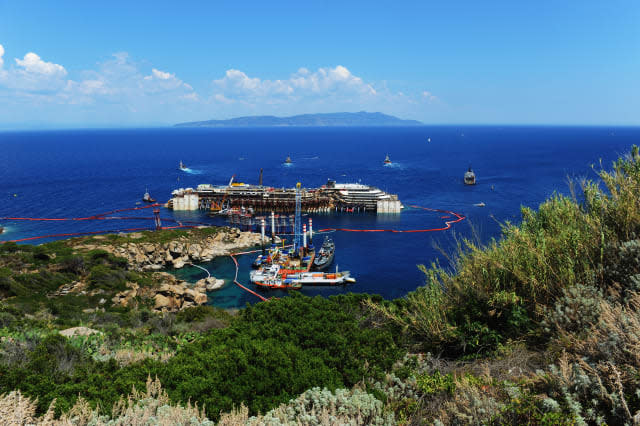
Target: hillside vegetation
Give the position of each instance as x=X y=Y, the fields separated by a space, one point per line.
x=541 y=326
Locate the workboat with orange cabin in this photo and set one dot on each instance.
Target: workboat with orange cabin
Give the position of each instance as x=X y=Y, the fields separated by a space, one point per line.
x=270 y=277
x=320 y=278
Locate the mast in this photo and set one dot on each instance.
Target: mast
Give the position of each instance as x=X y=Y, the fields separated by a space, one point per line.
x=297 y=224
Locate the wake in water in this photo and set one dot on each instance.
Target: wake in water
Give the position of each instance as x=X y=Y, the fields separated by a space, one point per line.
x=192 y=171
x=394 y=166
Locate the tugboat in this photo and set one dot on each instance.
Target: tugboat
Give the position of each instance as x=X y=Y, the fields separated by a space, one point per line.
x=387 y=160
x=325 y=255
x=147 y=198
x=182 y=166
x=469 y=177
x=288 y=160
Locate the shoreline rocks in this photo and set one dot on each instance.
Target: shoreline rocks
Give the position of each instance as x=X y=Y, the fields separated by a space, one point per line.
x=211 y=283
x=170 y=295
x=181 y=251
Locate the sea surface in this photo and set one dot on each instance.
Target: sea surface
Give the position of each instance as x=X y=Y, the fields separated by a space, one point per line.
x=80 y=173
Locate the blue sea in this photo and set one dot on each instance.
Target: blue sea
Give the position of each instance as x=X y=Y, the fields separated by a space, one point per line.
x=81 y=173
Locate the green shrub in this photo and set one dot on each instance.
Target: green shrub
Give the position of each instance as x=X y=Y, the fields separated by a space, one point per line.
x=321 y=406
x=106 y=278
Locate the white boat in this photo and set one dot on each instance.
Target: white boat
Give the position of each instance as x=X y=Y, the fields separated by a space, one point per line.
x=320 y=278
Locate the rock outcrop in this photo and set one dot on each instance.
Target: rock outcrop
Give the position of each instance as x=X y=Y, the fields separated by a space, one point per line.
x=211 y=283
x=180 y=251
x=170 y=295
x=79 y=331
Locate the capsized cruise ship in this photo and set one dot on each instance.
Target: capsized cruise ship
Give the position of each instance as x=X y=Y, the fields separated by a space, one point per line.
x=331 y=197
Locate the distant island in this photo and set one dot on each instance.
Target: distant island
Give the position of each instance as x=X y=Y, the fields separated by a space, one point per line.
x=371 y=119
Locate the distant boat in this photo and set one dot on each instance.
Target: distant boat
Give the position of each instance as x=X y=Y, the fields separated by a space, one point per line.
x=288 y=160
x=387 y=160
x=469 y=177
x=480 y=204
x=428 y=139
x=182 y=166
x=147 y=198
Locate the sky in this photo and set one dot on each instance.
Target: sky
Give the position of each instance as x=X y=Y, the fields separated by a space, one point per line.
x=67 y=64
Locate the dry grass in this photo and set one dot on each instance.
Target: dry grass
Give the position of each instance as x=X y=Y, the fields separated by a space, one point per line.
x=140 y=408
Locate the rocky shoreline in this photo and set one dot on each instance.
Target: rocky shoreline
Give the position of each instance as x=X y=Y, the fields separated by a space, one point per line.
x=169 y=250
x=181 y=251
x=170 y=295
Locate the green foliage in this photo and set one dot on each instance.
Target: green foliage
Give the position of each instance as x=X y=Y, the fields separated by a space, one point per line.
x=277 y=350
x=158 y=237
x=436 y=383
x=525 y=407
x=104 y=277
x=199 y=313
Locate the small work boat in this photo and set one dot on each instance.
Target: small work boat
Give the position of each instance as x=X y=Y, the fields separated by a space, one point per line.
x=270 y=277
x=387 y=160
x=320 y=278
x=469 y=177
x=182 y=166
x=147 y=198
x=288 y=160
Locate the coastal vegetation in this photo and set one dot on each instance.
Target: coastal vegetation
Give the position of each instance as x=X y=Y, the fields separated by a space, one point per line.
x=541 y=326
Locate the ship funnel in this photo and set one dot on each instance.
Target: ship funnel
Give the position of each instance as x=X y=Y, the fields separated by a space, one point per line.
x=304 y=235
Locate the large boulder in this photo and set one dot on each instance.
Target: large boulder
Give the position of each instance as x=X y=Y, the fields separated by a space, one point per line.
x=210 y=283
x=164 y=303
x=194 y=251
x=149 y=248
x=195 y=296
x=78 y=331
x=176 y=248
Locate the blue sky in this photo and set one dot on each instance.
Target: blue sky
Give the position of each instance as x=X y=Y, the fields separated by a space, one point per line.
x=141 y=63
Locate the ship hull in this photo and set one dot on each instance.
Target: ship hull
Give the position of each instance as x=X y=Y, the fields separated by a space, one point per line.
x=278 y=286
x=324 y=264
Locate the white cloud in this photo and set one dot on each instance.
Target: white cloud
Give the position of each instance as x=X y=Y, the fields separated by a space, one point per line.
x=120 y=90
x=160 y=81
x=429 y=96
x=34 y=65
x=324 y=83
x=159 y=75
x=32 y=75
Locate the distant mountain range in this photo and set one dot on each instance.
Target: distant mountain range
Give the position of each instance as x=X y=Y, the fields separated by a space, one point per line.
x=308 y=120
